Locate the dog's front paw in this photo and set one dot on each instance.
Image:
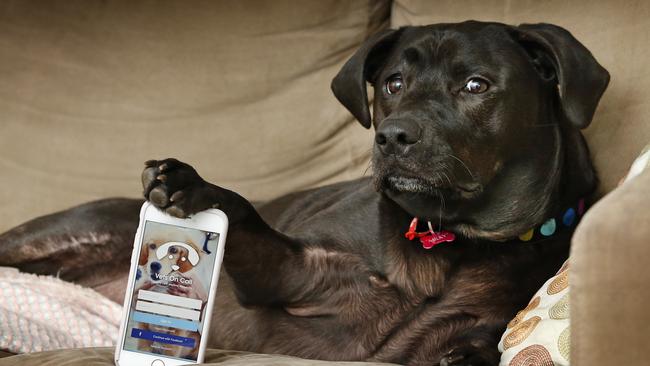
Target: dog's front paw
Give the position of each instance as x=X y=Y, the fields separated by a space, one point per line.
x=176 y=188
x=471 y=356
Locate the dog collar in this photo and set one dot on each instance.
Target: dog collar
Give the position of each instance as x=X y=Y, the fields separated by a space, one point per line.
x=567 y=219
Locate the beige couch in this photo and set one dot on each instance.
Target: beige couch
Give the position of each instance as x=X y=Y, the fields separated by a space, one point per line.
x=91 y=89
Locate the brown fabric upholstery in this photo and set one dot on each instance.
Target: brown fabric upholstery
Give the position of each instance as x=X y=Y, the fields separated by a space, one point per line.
x=239 y=88
x=104 y=357
x=609 y=277
x=616 y=31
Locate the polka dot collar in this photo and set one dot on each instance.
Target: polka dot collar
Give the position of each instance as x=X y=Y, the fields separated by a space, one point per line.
x=566 y=219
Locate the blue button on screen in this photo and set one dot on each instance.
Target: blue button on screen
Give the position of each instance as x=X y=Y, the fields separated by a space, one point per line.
x=165 y=321
x=162 y=338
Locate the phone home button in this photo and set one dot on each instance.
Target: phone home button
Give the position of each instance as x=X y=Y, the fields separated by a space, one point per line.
x=157 y=363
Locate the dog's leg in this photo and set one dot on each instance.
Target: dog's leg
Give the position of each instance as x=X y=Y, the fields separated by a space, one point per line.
x=89 y=244
x=475 y=346
x=266 y=266
x=444 y=336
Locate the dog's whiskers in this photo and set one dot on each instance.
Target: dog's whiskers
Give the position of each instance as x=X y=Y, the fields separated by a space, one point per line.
x=446 y=176
x=441 y=208
x=444 y=169
x=369 y=165
x=367 y=168
x=463 y=164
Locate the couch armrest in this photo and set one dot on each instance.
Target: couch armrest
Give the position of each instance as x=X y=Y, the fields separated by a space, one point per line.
x=609 y=276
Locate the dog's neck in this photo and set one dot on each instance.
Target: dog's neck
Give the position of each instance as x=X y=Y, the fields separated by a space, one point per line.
x=530 y=193
x=543 y=187
x=522 y=195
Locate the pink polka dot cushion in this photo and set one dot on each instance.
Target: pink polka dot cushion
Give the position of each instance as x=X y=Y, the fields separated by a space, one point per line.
x=42 y=313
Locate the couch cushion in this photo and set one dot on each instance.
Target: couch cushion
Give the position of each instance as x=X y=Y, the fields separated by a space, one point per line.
x=610 y=321
x=104 y=356
x=617 y=33
x=240 y=89
x=42 y=313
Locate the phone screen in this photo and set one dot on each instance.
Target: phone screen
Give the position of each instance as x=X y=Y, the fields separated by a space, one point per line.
x=170 y=291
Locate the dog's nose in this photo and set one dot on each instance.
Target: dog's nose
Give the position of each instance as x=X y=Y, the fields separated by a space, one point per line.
x=396 y=136
x=155 y=266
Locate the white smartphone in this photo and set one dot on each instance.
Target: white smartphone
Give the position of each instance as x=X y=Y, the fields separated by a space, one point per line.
x=171 y=288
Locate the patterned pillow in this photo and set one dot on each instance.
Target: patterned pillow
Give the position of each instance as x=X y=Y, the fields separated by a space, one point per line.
x=539 y=334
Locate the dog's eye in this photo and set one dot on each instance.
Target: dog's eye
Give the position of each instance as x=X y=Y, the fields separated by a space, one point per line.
x=476 y=86
x=394 y=84
x=173 y=250
x=152 y=246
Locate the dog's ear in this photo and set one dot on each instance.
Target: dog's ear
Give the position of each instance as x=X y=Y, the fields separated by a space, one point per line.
x=184 y=265
x=144 y=254
x=581 y=79
x=349 y=85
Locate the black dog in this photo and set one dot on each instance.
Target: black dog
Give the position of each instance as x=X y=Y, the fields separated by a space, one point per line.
x=477 y=132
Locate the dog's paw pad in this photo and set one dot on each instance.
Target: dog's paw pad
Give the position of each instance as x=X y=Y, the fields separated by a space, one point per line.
x=452 y=360
x=177 y=196
x=471 y=356
x=176 y=212
x=158 y=196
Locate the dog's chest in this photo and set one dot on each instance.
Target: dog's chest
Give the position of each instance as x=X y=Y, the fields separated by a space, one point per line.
x=416 y=275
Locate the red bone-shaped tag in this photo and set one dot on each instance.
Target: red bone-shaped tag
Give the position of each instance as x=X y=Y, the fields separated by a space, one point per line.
x=430 y=238
x=435 y=238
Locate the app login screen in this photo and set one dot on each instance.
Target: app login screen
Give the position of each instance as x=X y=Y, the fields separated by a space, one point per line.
x=171 y=290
